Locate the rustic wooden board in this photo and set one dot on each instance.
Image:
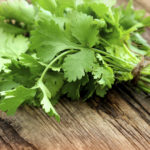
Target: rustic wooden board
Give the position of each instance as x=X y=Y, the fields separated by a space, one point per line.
x=121 y=121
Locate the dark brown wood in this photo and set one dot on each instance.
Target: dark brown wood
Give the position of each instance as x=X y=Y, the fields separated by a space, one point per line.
x=121 y=121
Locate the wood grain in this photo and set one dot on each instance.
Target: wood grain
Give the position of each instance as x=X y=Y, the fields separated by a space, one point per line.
x=121 y=121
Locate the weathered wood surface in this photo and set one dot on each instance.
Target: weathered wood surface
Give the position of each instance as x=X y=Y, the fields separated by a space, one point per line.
x=121 y=121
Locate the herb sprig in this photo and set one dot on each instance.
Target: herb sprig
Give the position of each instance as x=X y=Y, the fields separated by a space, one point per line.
x=51 y=48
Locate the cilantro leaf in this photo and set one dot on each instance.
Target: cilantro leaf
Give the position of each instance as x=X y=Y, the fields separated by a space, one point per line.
x=130 y=17
x=14 y=98
x=63 y=5
x=9 y=28
x=72 y=90
x=54 y=82
x=76 y=65
x=32 y=63
x=140 y=41
x=100 y=9
x=7 y=85
x=21 y=74
x=56 y=6
x=146 y=21
x=105 y=76
x=12 y=46
x=49 y=5
x=45 y=41
x=107 y=3
x=84 y=29
x=101 y=91
x=19 y=10
x=2 y=63
x=45 y=102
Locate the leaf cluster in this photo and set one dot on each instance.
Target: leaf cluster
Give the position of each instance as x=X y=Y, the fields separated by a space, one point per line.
x=52 y=48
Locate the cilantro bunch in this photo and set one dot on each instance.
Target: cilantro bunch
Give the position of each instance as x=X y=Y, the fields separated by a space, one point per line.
x=73 y=48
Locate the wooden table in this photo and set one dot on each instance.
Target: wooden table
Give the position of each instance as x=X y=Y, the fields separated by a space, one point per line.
x=121 y=121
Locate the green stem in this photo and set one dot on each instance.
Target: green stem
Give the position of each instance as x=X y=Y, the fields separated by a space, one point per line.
x=118 y=65
x=112 y=57
x=144 y=87
x=53 y=61
x=146 y=73
x=134 y=28
x=145 y=79
x=130 y=53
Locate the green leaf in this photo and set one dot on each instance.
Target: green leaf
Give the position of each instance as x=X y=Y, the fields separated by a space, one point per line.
x=72 y=90
x=57 y=7
x=45 y=102
x=19 y=10
x=109 y=3
x=54 y=82
x=49 y=5
x=7 y=85
x=104 y=76
x=63 y=5
x=101 y=91
x=146 y=21
x=49 y=39
x=107 y=78
x=46 y=15
x=89 y=89
x=76 y=65
x=2 y=63
x=140 y=41
x=100 y=9
x=137 y=50
x=130 y=17
x=32 y=63
x=11 y=46
x=9 y=28
x=14 y=98
x=84 y=29
x=21 y=74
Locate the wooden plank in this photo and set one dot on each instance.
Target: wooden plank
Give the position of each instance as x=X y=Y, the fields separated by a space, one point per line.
x=121 y=121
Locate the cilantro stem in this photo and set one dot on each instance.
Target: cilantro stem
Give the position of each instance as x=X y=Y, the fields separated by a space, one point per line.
x=144 y=87
x=118 y=65
x=111 y=56
x=53 y=61
x=130 y=54
x=145 y=79
x=146 y=73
